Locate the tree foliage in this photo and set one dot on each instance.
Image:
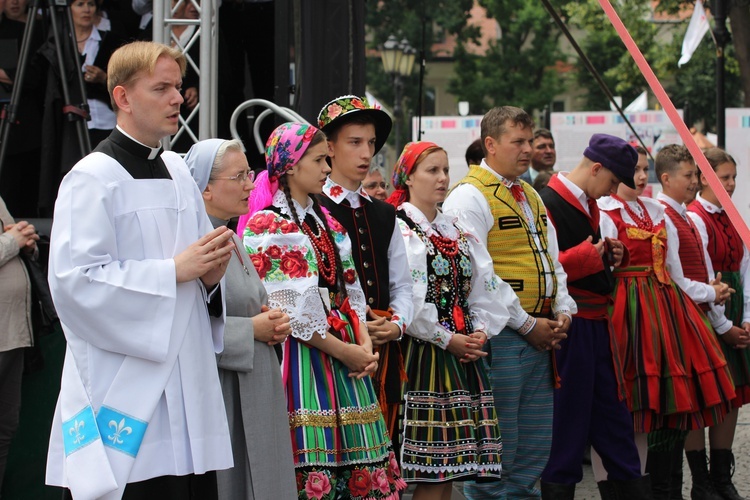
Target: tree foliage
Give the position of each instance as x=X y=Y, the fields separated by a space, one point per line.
x=608 y=54
x=420 y=22
x=738 y=12
x=693 y=85
x=522 y=66
x=519 y=67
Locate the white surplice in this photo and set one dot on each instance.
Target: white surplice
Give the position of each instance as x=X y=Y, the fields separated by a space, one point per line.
x=140 y=346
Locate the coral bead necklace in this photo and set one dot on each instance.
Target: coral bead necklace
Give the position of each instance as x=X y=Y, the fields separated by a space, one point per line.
x=324 y=251
x=446 y=246
x=642 y=221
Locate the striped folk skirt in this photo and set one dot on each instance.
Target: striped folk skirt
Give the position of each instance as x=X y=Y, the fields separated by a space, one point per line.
x=450 y=428
x=738 y=359
x=340 y=443
x=676 y=374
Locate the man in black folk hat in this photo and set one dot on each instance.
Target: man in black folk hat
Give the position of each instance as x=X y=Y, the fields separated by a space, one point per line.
x=589 y=405
x=356 y=131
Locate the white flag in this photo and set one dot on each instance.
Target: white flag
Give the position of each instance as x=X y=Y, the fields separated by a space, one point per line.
x=639 y=104
x=618 y=100
x=696 y=30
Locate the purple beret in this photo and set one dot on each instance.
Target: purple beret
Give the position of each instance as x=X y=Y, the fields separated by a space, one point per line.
x=615 y=155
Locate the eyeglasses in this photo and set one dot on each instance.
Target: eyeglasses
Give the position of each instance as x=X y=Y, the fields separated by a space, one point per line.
x=241 y=178
x=373 y=185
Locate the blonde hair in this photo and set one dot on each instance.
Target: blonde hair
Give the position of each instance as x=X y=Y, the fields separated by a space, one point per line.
x=129 y=60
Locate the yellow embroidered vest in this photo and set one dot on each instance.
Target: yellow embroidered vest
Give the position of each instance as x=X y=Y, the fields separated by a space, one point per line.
x=517 y=260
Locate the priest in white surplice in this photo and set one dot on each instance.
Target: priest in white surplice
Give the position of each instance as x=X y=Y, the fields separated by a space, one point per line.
x=135 y=270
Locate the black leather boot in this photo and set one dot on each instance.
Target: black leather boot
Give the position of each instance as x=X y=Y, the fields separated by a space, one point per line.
x=608 y=490
x=554 y=491
x=636 y=488
x=722 y=470
x=675 y=486
x=702 y=487
x=659 y=467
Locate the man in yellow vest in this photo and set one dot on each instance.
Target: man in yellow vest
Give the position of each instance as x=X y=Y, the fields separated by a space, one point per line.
x=507 y=214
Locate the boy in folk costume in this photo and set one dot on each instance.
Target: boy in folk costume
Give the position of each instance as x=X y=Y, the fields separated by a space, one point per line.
x=592 y=388
x=356 y=131
x=508 y=216
x=729 y=257
x=134 y=271
x=687 y=264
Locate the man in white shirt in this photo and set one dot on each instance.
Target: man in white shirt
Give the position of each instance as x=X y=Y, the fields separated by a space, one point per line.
x=134 y=271
x=508 y=216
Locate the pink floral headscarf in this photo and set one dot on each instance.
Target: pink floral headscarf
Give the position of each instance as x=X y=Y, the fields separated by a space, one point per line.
x=284 y=149
x=404 y=167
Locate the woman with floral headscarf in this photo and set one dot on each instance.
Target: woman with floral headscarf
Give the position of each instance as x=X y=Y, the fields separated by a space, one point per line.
x=341 y=448
x=450 y=427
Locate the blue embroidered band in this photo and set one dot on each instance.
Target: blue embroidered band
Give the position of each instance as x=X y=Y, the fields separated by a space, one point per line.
x=119 y=431
x=79 y=431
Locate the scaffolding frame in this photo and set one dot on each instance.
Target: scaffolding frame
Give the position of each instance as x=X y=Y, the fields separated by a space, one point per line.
x=207 y=35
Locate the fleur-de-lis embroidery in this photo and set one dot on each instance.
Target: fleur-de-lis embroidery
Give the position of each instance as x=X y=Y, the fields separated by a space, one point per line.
x=78 y=426
x=120 y=431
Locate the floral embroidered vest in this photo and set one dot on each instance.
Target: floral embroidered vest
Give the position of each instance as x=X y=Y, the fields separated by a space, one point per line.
x=448 y=281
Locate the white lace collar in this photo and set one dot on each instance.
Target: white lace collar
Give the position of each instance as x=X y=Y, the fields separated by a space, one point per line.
x=279 y=200
x=443 y=225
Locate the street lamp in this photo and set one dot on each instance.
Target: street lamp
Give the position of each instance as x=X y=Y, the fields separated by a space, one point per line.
x=398 y=61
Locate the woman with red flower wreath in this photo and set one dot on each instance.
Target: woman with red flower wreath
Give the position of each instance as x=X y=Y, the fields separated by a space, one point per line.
x=304 y=257
x=450 y=428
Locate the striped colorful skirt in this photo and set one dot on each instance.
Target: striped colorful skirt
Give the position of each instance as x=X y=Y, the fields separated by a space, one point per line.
x=450 y=428
x=738 y=359
x=340 y=444
x=675 y=372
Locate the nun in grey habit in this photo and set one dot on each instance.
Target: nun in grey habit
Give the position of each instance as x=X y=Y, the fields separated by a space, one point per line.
x=249 y=368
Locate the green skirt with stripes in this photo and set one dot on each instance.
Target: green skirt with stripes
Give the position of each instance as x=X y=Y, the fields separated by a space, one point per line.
x=450 y=428
x=738 y=359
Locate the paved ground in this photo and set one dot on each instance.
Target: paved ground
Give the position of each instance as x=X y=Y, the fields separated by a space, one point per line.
x=587 y=489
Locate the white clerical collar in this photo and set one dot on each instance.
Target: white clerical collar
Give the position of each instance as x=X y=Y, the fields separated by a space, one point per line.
x=154 y=151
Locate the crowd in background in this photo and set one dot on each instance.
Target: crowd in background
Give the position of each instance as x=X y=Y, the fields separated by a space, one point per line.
x=43 y=143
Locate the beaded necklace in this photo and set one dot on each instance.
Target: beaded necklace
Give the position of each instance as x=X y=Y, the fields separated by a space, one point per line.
x=324 y=251
x=446 y=246
x=449 y=289
x=643 y=222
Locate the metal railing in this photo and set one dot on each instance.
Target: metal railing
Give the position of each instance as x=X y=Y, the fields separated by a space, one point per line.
x=207 y=35
x=286 y=113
